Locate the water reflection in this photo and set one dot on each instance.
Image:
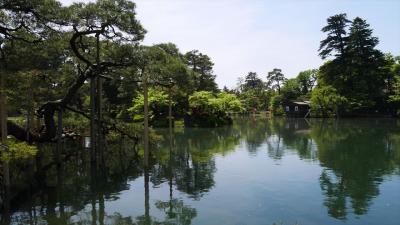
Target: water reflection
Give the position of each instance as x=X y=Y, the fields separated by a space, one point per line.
x=355 y=161
x=355 y=157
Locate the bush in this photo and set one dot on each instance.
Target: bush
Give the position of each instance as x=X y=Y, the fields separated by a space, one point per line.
x=211 y=111
x=325 y=101
x=16 y=150
x=276 y=105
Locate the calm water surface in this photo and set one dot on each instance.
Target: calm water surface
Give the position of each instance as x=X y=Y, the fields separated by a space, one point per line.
x=256 y=171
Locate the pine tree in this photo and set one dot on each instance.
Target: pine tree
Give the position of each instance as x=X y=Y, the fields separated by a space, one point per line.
x=336 y=39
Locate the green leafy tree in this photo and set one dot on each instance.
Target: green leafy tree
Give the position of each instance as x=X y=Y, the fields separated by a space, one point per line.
x=298 y=88
x=275 y=79
x=291 y=89
x=166 y=68
x=361 y=43
x=226 y=102
x=21 y=21
x=201 y=101
x=253 y=82
x=88 y=28
x=202 y=66
x=158 y=101
x=177 y=78
x=276 y=105
x=357 y=71
x=252 y=100
x=367 y=63
x=210 y=110
x=394 y=98
x=307 y=80
x=327 y=101
x=252 y=92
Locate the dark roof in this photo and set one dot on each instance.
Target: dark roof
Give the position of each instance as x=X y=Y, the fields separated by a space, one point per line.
x=301 y=102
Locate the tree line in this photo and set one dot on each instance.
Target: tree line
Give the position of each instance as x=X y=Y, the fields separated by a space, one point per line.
x=355 y=79
x=86 y=62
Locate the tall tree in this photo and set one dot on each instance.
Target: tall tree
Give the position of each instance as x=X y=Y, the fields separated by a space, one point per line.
x=114 y=22
x=361 y=43
x=202 y=65
x=25 y=21
x=291 y=89
x=367 y=62
x=253 y=82
x=252 y=91
x=307 y=80
x=336 y=39
x=357 y=72
x=275 y=79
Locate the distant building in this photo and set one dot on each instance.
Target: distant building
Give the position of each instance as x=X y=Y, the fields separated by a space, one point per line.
x=296 y=108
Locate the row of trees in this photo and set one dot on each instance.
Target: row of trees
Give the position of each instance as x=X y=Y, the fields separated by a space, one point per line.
x=173 y=77
x=85 y=61
x=257 y=94
x=356 y=79
x=63 y=66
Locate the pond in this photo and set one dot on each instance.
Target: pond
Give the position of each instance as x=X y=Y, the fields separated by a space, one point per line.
x=257 y=171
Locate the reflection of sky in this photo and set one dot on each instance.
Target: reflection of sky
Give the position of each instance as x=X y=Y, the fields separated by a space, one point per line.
x=267 y=190
x=131 y=202
x=253 y=188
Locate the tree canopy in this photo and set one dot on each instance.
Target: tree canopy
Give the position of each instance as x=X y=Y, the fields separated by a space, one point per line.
x=358 y=71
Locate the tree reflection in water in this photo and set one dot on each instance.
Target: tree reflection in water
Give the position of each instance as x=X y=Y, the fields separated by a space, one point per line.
x=355 y=162
x=355 y=157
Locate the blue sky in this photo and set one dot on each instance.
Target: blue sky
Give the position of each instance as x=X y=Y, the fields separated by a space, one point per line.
x=259 y=35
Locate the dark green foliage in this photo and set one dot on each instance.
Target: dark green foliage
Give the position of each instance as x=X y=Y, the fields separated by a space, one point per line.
x=307 y=80
x=276 y=105
x=158 y=107
x=358 y=72
x=252 y=91
x=207 y=120
x=50 y=52
x=275 y=79
x=291 y=89
x=253 y=82
x=327 y=102
x=336 y=38
x=298 y=88
x=14 y=150
x=202 y=66
x=393 y=83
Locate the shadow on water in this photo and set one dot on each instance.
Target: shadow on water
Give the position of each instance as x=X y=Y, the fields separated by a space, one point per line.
x=354 y=155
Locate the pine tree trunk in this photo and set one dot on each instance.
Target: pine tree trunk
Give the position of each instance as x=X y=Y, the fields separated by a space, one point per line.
x=59 y=138
x=3 y=108
x=3 y=138
x=170 y=109
x=146 y=121
x=93 y=119
x=99 y=106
